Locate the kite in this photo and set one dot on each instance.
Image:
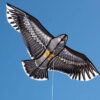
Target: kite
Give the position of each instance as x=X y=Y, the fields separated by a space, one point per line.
x=48 y=52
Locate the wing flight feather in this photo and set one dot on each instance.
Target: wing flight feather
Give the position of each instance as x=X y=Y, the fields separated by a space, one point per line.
x=35 y=36
x=76 y=65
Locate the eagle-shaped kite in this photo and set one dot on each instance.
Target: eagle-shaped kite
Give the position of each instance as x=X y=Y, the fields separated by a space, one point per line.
x=48 y=52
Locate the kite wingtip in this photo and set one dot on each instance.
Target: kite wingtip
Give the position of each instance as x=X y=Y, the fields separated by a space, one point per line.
x=8 y=4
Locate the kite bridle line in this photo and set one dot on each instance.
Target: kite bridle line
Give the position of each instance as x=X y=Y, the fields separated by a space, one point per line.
x=52 y=83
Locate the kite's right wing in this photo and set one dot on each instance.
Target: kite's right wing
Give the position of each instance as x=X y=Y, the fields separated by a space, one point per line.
x=76 y=65
x=36 y=37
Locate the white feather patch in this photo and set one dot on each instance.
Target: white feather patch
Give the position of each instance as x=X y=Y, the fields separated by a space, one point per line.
x=11 y=19
x=77 y=77
x=86 y=76
x=39 y=79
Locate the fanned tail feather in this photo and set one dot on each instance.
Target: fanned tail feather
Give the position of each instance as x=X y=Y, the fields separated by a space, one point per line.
x=34 y=72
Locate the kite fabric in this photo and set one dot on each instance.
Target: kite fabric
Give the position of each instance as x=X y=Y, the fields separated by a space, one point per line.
x=48 y=52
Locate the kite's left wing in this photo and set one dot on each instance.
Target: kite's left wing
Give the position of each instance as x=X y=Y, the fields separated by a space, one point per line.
x=36 y=37
x=76 y=65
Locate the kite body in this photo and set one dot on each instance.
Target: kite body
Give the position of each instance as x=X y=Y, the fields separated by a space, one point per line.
x=48 y=52
x=39 y=67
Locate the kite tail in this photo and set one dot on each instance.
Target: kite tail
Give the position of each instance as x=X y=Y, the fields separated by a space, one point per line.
x=34 y=72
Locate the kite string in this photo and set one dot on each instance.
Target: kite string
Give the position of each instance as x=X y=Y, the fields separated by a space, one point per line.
x=53 y=83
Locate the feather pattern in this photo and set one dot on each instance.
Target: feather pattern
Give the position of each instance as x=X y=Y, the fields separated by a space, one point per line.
x=76 y=65
x=48 y=52
x=31 y=29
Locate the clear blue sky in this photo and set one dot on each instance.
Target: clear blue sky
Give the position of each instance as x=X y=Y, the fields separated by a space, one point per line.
x=80 y=19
